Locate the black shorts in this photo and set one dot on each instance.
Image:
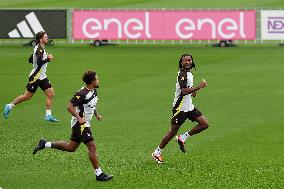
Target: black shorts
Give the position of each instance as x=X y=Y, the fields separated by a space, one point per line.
x=43 y=84
x=180 y=117
x=81 y=134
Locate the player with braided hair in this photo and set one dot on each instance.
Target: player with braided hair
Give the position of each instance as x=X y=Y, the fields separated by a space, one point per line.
x=183 y=107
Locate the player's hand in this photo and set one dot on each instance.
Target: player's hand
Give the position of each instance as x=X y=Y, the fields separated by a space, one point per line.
x=82 y=120
x=50 y=56
x=203 y=84
x=99 y=117
x=193 y=94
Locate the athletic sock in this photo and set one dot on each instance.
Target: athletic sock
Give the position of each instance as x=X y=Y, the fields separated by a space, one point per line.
x=47 y=145
x=184 y=136
x=11 y=106
x=158 y=151
x=47 y=112
x=98 y=171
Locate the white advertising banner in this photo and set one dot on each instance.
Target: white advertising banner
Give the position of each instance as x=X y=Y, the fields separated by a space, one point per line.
x=272 y=24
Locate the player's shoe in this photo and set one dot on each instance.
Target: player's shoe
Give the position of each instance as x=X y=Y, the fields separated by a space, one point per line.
x=40 y=146
x=180 y=143
x=7 y=110
x=104 y=177
x=51 y=118
x=157 y=157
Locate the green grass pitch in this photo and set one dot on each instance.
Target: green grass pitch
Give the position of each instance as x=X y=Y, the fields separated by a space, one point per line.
x=243 y=147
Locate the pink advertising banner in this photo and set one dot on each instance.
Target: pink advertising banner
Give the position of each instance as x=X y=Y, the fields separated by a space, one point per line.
x=164 y=25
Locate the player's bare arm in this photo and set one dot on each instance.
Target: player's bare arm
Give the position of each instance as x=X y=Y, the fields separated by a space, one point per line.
x=98 y=116
x=72 y=110
x=186 y=91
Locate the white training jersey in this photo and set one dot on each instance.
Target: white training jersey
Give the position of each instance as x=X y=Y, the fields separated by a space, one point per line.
x=183 y=102
x=85 y=101
x=39 y=70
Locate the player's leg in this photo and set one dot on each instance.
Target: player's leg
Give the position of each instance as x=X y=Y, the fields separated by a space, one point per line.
x=195 y=115
x=157 y=154
x=26 y=96
x=93 y=154
x=59 y=145
x=8 y=107
x=177 y=120
x=75 y=141
x=87 y=138
x=64 y=146
x=48 y=104
x=202 y=125
x=49 y=98
x=49 y=92
x=100 y=176
x=170 y=134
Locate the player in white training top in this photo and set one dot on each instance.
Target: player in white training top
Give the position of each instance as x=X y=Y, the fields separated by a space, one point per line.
x=183 y=108
x=37 y=78
x=83 y=107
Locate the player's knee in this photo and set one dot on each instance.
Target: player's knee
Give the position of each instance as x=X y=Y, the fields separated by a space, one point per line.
x=50 y=95
x=205 y=124
x=71 y=148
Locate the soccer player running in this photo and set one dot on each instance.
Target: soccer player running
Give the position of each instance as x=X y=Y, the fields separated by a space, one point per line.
x=82 y=106
x=37 y=78
x=183 y=108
